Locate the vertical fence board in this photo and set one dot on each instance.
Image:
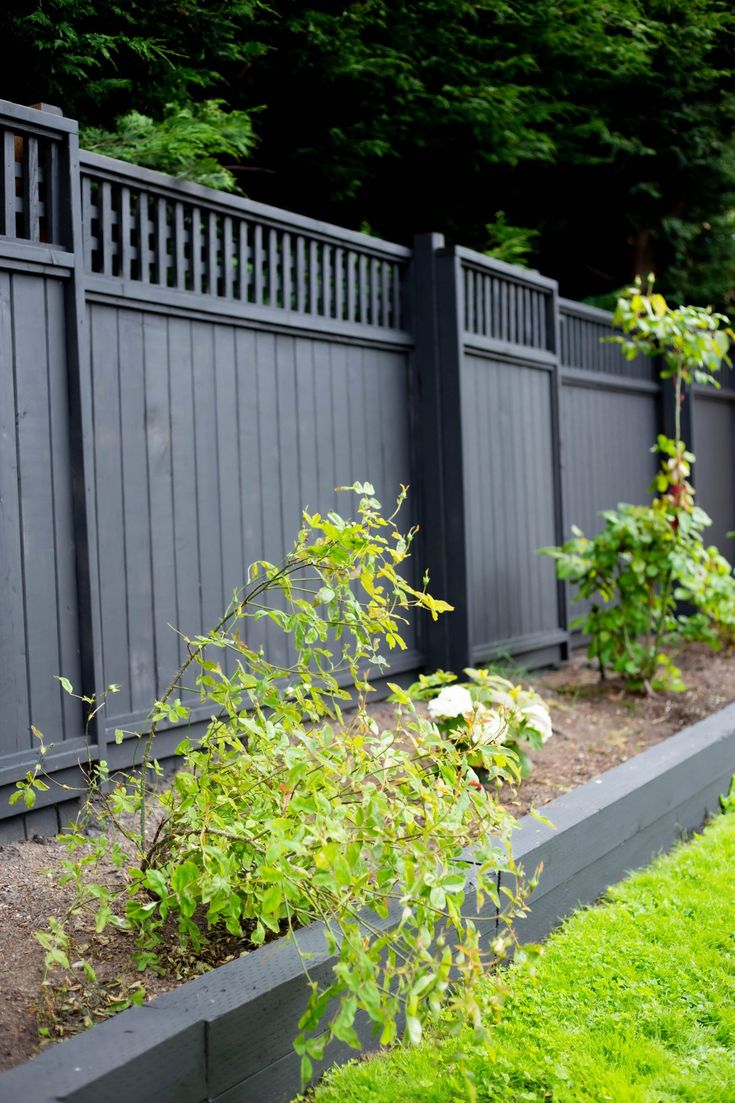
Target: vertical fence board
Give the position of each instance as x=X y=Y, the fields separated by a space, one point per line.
x=7 y=171
x=110 y=506
x=228 y=258
x=301 y=279
x=179 y=247
x=313 y=278
x=63 y=513
x=53 y=190
x=351 y=263
x=29 y=190
x=273 y=274
x=159 y=470
x=228 y=462
x=207 y=473
x=270 y=458
x=252 y=475
x=161 y=243
x=13 y=664
x=32 y=371
x=143 y=227
x=286 y=263
x=180 y=371
x=258 y=264
x=104 y=217
x=125 y=244
x=326 y=280
x=136 y=511
x=243 y=262
x=212 y=254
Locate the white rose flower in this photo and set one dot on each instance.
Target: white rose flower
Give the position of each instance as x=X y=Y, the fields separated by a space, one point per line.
x=537 y=717
x=489 y=728
x=452 y=701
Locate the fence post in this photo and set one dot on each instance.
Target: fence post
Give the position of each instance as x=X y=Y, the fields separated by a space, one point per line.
x=437 y=415
x=80 y=435
x=553 y=323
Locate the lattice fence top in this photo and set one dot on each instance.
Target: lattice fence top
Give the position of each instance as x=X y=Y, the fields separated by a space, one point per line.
x=31 y=199
x=505 y=304
x=583 y=330
x=184 y=238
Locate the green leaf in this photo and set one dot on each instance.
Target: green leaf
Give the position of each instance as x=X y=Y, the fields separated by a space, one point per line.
x=414 y=1029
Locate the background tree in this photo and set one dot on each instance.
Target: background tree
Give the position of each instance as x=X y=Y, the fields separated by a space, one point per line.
x=605 y=129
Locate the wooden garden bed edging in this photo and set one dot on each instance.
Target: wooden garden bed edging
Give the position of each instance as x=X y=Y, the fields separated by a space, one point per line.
x=226 y=1037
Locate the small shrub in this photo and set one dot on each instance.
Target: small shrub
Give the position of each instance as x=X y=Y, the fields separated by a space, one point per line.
x=633 y=572
x=486 y=711
x=287 y=812
x=649 y=559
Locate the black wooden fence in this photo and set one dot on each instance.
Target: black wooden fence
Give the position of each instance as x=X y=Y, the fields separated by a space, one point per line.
x=181 y=371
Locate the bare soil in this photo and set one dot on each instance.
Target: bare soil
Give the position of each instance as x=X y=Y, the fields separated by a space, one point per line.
x=596 y=726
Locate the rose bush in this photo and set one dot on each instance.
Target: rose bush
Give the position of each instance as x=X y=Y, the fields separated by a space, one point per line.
x=486 y=711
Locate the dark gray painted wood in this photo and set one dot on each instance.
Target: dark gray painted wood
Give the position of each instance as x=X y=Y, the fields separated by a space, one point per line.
x=605 y=457
x=211 y=439
x=509 y=488
x=714 y=446
x=146 y=1053
x=38 y=597
x=13 y=662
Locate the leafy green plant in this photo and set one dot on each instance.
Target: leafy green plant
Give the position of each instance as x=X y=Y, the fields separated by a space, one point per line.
x=487 y=710
x=691 y=343
x=631 y=573
x=646 y=560
x=512 y=244
x=288 y=811
x=187 y=142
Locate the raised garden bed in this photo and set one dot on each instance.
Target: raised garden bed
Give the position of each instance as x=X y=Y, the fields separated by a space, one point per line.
x=226 y=1036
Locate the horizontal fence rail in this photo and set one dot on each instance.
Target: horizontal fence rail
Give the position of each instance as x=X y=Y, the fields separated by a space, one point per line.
x=224 y=247
x=181 y=371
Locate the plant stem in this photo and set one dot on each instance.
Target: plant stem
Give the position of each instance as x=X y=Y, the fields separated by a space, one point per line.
x=662 y=621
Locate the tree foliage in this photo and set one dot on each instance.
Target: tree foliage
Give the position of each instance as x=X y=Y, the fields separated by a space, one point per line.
x=606 y=128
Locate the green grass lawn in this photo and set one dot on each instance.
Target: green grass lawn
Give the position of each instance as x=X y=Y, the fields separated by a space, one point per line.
x=635 y=1003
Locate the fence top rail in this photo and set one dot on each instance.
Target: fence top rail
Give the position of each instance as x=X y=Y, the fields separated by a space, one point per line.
x=108 y=168
x=527 y=277
x=588 y=313
x=35 y=119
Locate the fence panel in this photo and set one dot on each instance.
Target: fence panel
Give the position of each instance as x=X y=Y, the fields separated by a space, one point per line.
x=246 y=362
x=39 y=597
x=211 y=438
x=611 y=417
x=714 y=471
x=510 y=439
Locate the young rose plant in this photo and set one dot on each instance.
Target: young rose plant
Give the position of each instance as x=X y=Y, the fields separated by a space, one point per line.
x=649 y=559
x=288 y=812
x=487 y=711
